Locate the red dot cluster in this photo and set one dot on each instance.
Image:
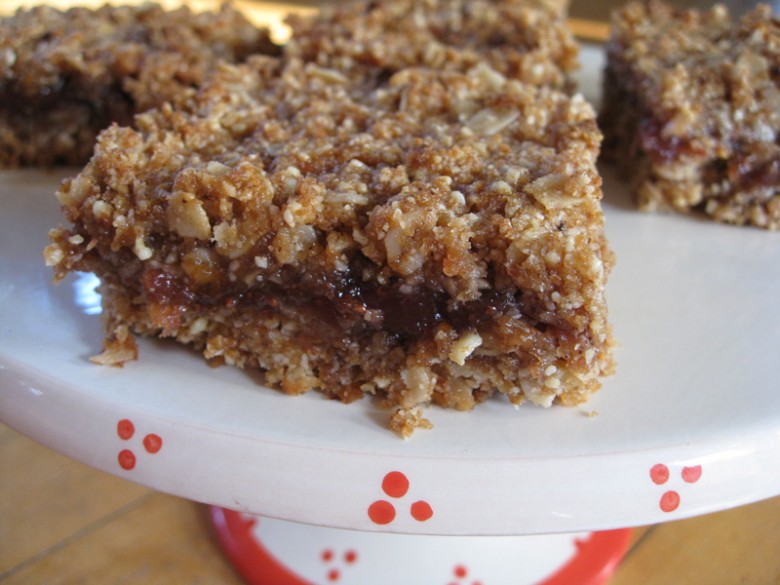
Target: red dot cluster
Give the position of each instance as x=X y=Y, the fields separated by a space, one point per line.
x=328 y=556
x=660 y=474
x=396 y=485
x=125 y=429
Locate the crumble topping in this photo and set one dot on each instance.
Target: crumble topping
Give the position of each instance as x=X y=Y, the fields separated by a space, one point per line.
x=437 y=238
x=402 y=203
x=521 y=39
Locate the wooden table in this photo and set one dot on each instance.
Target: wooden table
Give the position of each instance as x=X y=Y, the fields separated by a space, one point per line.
x=62 y=522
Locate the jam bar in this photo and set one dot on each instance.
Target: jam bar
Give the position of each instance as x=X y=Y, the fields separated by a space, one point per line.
x=436 y=239
x=521 y=39
x=692 y=110
x=66 y=75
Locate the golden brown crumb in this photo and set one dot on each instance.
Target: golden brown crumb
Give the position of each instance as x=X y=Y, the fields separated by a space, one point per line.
x=407 y=420
x=435 y=239
x=119 y=347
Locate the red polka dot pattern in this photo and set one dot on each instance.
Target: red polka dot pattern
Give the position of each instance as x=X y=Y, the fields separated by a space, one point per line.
x=660 y=474
x=125 y=430
x=396 y=485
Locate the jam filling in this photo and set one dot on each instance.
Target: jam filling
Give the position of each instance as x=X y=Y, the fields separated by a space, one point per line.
x=747 y=174
x=666 y=149
x=107 y=103
x=344 y=305
x=745 y=171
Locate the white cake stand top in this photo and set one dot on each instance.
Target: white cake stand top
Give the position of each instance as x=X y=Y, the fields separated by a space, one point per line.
x=689 y=424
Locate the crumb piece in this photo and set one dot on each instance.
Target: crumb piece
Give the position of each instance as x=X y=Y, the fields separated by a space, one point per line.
x=406 y=420
x=119 y=347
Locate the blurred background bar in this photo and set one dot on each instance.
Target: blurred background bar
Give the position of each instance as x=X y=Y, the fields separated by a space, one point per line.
x=600 y=10
x=588 y=18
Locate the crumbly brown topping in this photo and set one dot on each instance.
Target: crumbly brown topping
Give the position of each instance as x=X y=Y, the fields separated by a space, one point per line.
x=522 y=39
x=697 y=95
x=66 y=75
x=437 y=238
x=404 y=204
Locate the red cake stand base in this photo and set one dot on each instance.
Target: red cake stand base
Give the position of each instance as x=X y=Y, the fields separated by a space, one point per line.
x=267 y=551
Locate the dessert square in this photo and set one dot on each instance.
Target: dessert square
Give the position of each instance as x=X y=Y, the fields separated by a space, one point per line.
x=368 y=40
x=67 y=75
x=434 y=239
x=692 y=110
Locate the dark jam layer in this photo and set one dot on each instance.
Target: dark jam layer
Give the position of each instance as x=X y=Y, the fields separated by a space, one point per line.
x=82 y=108
x=346 y=306
x=107 y=102
x=746 y=171
x=666 y=149
x=748 y=174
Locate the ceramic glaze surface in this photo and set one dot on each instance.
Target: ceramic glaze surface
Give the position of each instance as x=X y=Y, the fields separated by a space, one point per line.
x=689 y=424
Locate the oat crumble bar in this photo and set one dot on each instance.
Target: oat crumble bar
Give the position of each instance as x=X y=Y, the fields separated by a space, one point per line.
x=66 y=75
x=692 y=110
x=436 y=239
x=366 y=40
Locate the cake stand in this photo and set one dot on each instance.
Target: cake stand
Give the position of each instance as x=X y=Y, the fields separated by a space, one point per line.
x=690 y=423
